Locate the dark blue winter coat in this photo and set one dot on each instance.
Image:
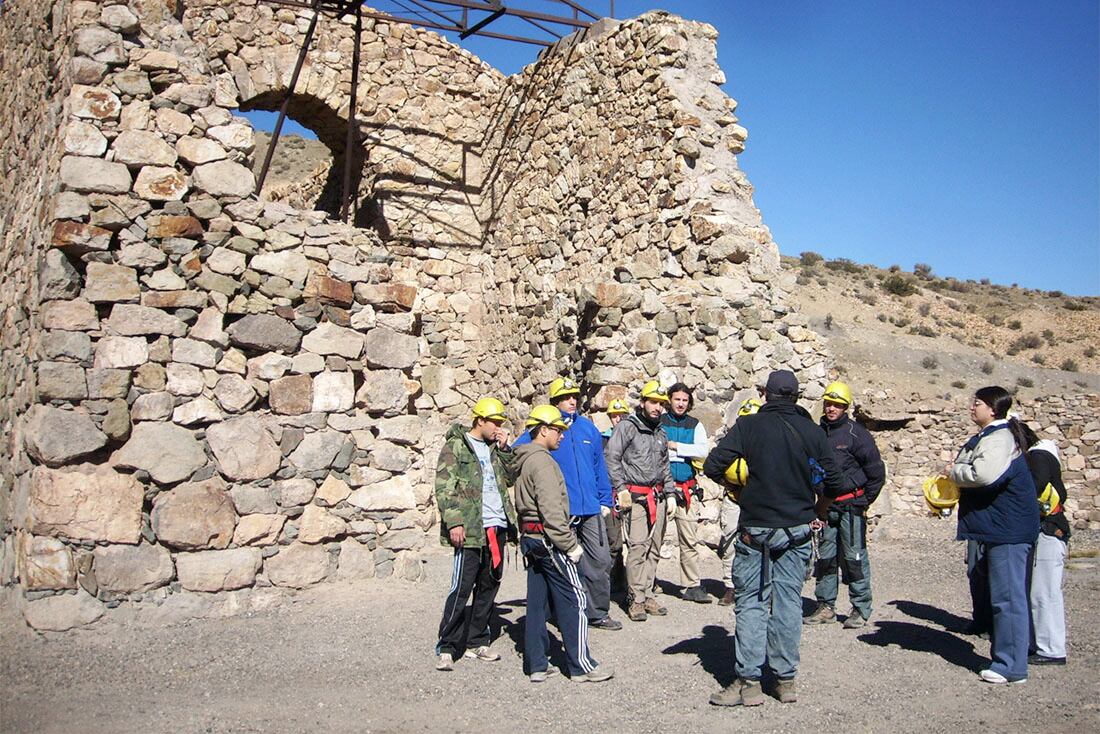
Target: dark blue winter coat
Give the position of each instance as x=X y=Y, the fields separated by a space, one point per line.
x=996 y=491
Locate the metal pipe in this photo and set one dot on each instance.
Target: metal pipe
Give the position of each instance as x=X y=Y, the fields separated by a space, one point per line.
x=352 y=141
x=286 y=98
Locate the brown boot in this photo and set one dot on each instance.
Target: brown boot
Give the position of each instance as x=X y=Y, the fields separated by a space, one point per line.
x=785 y=691
x=739 y=693
x=636 y=612
x=824 y=614
x=654 y=608
x=727 y=598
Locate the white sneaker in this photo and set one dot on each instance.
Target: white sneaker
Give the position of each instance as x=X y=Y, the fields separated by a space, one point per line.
x=483 y=653
x=446 y=662
x=540 y=676
x=992 y=676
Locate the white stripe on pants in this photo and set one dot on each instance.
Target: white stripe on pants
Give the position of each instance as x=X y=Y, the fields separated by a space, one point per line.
x=568 y=569
x=1048 y=616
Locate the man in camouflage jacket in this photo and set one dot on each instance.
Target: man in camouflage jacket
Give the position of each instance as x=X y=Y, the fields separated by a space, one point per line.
x=477 y=518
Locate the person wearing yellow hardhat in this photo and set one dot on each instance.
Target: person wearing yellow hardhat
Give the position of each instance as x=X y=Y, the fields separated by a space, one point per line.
x=999 y=517
x=687 y=441
x=551 y=552
x=843 y=544
x=735 y=477
x=637 y=459
x=476 y=519
x=786 y=453
x=581 y=458
x=1048 y=610
x=617 y=409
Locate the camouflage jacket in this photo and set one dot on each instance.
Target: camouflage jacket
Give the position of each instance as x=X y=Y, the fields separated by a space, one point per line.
x=458 y=487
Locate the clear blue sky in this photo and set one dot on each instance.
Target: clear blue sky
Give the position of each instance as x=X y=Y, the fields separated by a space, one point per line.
x=961 y=134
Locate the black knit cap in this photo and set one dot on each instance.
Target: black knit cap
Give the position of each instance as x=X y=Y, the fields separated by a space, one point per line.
x=782 y=382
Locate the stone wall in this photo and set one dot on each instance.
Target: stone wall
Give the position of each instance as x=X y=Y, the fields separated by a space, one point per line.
x=918 y=436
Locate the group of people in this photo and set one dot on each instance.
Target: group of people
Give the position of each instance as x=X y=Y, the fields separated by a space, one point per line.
x=580 y=496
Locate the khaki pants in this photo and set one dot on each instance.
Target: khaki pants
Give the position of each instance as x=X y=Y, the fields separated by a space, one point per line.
x=643 y=549
x=687 y=527
x=730 y=514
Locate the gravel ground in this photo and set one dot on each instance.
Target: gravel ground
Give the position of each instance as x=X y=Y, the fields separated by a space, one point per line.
x=358 y=657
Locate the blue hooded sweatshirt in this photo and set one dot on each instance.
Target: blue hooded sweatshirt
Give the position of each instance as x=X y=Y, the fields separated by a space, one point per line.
x=580 y=458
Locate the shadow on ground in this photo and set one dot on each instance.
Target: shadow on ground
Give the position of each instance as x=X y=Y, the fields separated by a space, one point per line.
x=921 y=638
x=714 y=648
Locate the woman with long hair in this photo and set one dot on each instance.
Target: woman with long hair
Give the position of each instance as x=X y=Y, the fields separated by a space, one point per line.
x=998 y=510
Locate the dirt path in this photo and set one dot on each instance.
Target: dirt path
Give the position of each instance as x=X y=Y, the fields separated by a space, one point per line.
x=358 y=658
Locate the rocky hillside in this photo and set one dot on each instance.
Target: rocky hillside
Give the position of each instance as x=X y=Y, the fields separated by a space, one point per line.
x=914 y=331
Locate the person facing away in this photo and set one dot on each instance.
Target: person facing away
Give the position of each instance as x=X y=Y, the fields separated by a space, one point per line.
x=581 y=460
x=476 y=519
x=787 y=455
x=551 y=552
x=637 y=459
x=687 y=443
x=843 y=544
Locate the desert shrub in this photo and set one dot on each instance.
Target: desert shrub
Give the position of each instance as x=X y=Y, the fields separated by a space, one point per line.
x=843 y=264
x=882 y=317
x=1090 y=352
x=1080 y=383
x=987 y=368
x=1048 y=335
x=972 y=308
x=956 y=323
x=924 y=309
x=959 y=286
x=922 y=330
x=1015 y=325
x=1025 y=382
x=1074 y=306
x=803 y=280
x=995 y=319
x=809 y=259
x=930 y=362
x=899 y=285
x=869 y=298
x=958 y=384
x=922 y=270
x=901 y=322
x=824 y=283
x=1055 y=294
x=1069 y=365
x=984 y=281
x=1038 y=359
x=895 y=268
x=829 y=321
x=1028 y=341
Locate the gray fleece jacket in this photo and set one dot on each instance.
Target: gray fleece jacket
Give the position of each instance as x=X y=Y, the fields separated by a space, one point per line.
x=638 y=454
x=541 y=495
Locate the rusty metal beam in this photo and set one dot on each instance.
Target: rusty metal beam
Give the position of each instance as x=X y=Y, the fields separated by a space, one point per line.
x=353 y=128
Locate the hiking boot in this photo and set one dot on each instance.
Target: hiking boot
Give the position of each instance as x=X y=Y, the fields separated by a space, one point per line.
x=540 y=676
x=596 y=675
x=727 y=598
x=446 y=662
x=785 y=691
x=697 y=595
x=653 y=607
x=824 y=614
x=854 y=621
x=607 y=623
x=482 y=653
x=636 y=612
x=739 y=693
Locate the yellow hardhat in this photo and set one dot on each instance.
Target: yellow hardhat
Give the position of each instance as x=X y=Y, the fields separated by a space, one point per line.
x=1049 y=500
x=652 y=390
x=738 y=472
x=563 y=386
x=749 y=406
x=489 y=409
x=617 y=407
x=697 y=464
x=545 y=415
x=839 y=393
x=941 y=494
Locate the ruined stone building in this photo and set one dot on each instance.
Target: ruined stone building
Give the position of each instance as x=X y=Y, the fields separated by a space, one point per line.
x=205 y=390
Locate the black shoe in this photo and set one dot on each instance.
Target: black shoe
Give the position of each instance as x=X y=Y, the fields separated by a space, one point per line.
x=607 y=623
x=697 y=595
x=1037 y=659
x=976 y=631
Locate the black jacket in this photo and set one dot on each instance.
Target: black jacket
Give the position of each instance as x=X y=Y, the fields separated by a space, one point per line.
x=779 y=492
x=857 y=458
x=1045 y=469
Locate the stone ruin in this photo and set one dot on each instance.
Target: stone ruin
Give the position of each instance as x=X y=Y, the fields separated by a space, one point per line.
x=208 y=391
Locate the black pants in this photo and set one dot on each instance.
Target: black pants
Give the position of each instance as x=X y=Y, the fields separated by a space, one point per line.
x=473 y=573
x=615 y=545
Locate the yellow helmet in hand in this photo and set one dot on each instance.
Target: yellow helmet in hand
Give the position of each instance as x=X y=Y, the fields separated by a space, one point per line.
x=738 y=472
x=941 y=494
x=749 y=406
x=1049 y=500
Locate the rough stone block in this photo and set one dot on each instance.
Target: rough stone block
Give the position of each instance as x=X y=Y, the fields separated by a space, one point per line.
x=387 y=296
x=94 y=175
x=55 y=437
x=76 y=239
x=168 y=452
x=298 y=565
x=87 y=502
x=110 y=283
x=387 y=348
x=317 y=450
x=395 y=494
x=328 y=338
x=291 y=395
x=243 y=449
x=94 y=103
x=219 y=570
x=265 y=332
x=137 y=148
x=63 y=612
x=258 y=529
x=195 y=515
x=123 y=569
x=224 y=178
x=333 y=392
x=44 y=563
x=161 y=183
x=133 y=320
x=61 y=381
x=317 y=524
x=121 y=352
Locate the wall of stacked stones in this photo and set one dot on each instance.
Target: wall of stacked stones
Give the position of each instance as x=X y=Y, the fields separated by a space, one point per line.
x=926 y=443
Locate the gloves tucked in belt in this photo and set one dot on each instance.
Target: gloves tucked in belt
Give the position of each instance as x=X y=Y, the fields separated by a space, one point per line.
x=575 y=554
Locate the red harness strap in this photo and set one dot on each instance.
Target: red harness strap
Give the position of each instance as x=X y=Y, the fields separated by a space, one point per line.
x=532 y=527
x=685 y=488
x=850 y=496
x=650 y=494
x=494 y=546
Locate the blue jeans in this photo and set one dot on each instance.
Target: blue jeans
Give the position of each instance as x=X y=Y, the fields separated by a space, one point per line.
x=844 y=546
x=1007 y=565
x=550 y=574
x=768 y=608
x=977 y=573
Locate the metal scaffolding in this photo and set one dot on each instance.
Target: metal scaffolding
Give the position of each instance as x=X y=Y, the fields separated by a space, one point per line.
x=465 y=17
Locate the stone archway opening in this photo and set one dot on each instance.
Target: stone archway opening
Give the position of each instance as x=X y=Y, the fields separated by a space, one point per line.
x=310 y=174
